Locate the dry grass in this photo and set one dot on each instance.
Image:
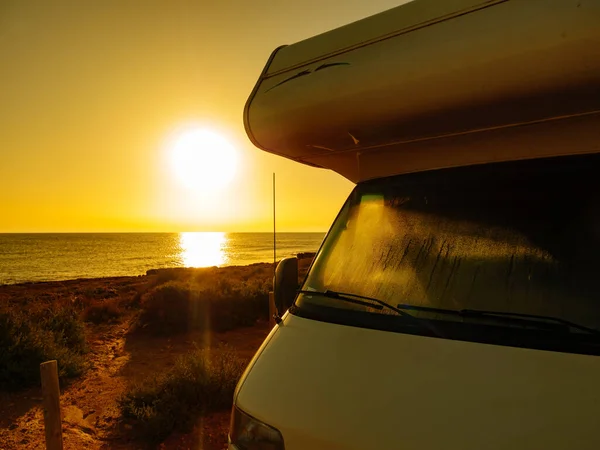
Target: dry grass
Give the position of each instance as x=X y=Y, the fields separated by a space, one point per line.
x=28 y=339
x=208 y=300
x=108 y=311
x=45 y=321
x=199 y=382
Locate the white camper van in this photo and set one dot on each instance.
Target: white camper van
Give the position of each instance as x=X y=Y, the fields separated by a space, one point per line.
x=455 y=302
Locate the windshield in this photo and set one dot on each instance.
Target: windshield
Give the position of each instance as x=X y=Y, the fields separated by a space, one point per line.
x=520 y=237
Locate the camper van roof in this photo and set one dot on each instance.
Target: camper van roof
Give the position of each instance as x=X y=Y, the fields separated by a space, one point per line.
x=432 y=84
x=401 y=19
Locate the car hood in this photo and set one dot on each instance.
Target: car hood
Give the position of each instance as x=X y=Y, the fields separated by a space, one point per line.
x=339 y=387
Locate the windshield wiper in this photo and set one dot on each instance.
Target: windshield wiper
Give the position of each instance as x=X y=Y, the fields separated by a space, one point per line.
x=521 y=317
x=401 y=307
x=527 y=318
x=374 y=303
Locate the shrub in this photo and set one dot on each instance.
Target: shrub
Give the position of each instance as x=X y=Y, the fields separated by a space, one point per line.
x=28 y=340
x=178 y=307
x=64 y=323
x=199 y=382
x=104 y=312
x=101 y=292
x=166 y=308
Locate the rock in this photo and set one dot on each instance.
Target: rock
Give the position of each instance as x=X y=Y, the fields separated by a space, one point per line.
x=92 y=419
x=73 y=416
x=13 y=426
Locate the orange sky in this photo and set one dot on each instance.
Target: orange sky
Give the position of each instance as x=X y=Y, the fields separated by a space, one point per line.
x=91 y=92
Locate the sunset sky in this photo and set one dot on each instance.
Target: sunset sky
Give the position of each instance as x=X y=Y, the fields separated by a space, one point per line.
x=95 y=95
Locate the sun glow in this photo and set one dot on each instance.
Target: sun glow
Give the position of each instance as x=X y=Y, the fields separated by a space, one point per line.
x=202 y=249
x=203 y=160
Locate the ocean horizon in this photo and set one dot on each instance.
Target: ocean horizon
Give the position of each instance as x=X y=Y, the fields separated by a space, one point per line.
x=35 y=257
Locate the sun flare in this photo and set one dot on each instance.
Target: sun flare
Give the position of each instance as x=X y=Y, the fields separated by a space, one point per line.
x=203 y=160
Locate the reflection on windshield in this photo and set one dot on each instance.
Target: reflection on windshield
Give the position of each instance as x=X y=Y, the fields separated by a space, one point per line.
x=502 y=240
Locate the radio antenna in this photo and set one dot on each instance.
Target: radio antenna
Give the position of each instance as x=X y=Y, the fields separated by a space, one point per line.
x=276 y=315
x=274 y=235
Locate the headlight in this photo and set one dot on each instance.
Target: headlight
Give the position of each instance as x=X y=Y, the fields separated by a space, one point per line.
x=247 y=433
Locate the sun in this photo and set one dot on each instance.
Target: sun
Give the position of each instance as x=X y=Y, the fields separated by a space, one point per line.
x=203 y=160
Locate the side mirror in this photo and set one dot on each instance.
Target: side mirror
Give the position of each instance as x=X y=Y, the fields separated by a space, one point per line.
x=285 y=284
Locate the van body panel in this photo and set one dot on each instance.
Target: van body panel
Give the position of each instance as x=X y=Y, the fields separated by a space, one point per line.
x=449 y=68
x=328 y=386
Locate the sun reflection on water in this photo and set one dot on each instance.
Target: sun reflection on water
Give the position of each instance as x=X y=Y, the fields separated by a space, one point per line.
x=200 y=249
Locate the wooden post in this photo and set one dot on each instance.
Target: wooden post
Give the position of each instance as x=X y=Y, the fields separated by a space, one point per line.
x=51 y=394
x=271 y=309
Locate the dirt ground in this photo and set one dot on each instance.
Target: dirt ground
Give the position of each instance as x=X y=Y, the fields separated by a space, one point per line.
x=91 y=419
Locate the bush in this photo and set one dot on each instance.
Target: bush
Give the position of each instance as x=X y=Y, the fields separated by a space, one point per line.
x=104 y=312
x=199 y=382
x=165 y=308
x=179 y=307
x=101 y=292
x=28 y=340
x=64 y=323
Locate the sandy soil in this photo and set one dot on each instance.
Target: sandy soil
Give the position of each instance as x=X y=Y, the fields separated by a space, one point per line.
x=91 y=419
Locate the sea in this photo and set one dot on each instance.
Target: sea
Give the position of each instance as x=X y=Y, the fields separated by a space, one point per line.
x=66 y=256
